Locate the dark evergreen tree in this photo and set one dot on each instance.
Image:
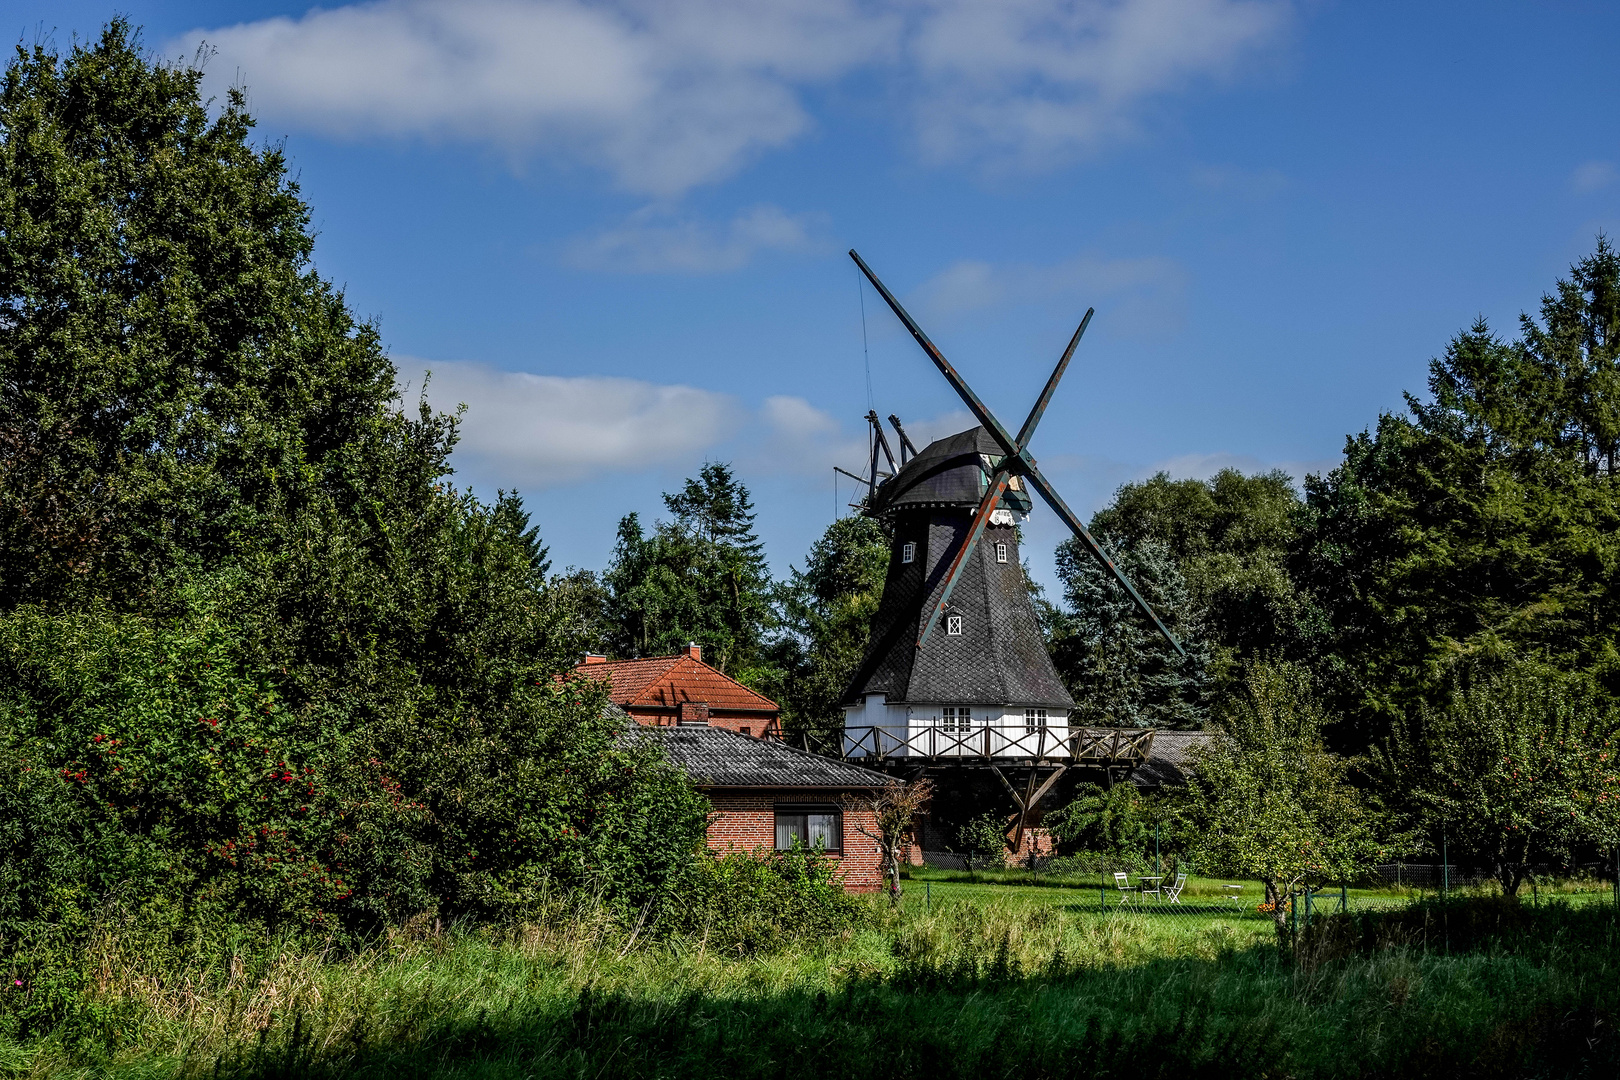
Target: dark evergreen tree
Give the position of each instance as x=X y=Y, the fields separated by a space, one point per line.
x=826 y=615
x=698 y=577
x=1484 y=526
x=1120 y=671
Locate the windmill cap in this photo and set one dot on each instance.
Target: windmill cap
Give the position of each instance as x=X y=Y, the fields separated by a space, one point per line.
x=947 y=472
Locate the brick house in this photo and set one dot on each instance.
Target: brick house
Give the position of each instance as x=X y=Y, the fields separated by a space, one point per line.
x=767 y=794
x=723 y=735
x=662 y=691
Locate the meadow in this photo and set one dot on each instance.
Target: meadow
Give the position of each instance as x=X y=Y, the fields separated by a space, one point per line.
x=970 y=979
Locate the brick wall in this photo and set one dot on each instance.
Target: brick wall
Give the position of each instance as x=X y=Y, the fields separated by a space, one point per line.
x=746 y=821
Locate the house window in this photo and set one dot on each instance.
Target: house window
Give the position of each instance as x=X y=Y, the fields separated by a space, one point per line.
x=953 y=625
x=908 y=552
x=1001 y=553
x=956 y=719
x=1034 y=720
x=811 y=826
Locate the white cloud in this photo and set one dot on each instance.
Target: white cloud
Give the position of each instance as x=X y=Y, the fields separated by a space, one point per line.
x=539 y=431
x=1250 y=183
x=794 y=437
x=665 y=96
x=1144 y=294
x=647 y=243
x=1593 y=176
x=1034 y=79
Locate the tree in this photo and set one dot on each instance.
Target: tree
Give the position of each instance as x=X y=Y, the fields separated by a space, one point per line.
x=1120 y=671
x=1110 y=821
x=233 y=570
x=1484 y=525
x=1269 y=801
x=1517 y=770
x=826 y=615
x=982 y=841
x=699 y=577
x=893 y=812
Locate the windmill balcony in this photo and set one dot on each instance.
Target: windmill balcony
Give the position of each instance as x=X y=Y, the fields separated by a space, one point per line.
x=1006 y=736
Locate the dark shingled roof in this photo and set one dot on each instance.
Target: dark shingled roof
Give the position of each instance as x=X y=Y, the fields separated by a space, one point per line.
x=947 y=472
x=1000 y=657
x=716 y=758
x=1171 y=758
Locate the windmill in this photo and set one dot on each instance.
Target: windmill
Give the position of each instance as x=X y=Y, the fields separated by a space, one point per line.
x=957 y=672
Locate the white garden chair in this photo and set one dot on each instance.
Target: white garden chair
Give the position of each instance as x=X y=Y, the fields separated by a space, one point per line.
x=1122 y=882
x=1173 y=892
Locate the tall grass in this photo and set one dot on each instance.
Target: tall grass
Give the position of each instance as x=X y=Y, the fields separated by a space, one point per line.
x=994 y=989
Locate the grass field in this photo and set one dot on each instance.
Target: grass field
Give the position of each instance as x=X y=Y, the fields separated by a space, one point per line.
x=969 y=979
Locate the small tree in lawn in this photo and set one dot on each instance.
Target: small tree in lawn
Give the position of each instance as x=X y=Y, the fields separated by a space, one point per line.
x=894 y=813
x=1517 y=770
x=1269 y=801
x=982 y=842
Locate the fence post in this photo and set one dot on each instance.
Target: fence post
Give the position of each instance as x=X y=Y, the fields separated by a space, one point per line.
x=1155 y=847
x=1445 y=868
x=1102 y=893
x=1344 y=898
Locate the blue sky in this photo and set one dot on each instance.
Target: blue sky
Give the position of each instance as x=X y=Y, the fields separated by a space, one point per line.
x=616 y=231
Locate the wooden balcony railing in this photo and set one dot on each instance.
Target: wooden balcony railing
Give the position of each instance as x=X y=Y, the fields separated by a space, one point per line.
x=1101 y=745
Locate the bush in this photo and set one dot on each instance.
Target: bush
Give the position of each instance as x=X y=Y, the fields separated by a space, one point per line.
x=759 y=902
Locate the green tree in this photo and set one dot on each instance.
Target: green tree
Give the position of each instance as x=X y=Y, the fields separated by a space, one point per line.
x=1269 y=801
x=1120 y=671
x=1104 y=821
x=982 y=841
x=1484 y=525
x=214 y=507
x=700 y=576
x=826 y=615
x=1515 y=771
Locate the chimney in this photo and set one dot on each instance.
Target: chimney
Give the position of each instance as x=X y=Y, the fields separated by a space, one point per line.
x=594 y=658
x=694 y=650
x=695 y=713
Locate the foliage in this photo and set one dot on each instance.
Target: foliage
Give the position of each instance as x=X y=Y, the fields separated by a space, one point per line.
x=982 y=841
x=700 y=576
x=1518 y=770
x=753 y=902
x=1121 y=672
x=1270 y=802
x=826 y=615
x=1231 y=538
x=894 y=810
x=1106 y=820
x=259 y=663
x=1486 y=524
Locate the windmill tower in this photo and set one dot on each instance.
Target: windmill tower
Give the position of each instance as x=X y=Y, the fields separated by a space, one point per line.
x=957 y=672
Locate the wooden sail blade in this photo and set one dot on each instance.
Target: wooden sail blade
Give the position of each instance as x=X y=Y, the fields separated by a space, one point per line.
x=1027 y=432
x=980 y=412
x=987 y=506
x=1061 y=509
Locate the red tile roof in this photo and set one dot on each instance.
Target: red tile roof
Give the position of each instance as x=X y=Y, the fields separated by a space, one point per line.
x=663 y=682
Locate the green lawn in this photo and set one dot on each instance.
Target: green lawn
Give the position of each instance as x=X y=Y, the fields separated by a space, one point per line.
x=968 y=979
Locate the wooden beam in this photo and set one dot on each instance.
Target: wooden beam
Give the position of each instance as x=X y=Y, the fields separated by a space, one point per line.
x=1023 y=810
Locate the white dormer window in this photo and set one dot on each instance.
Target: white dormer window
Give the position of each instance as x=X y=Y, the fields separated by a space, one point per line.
x=953 y=625
x=908 y=552
x=1001 y=553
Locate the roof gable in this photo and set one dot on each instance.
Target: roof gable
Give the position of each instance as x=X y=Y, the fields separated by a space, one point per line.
x=663 y=682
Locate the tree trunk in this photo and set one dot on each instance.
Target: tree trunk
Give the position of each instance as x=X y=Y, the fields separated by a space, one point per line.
x=1279 y=913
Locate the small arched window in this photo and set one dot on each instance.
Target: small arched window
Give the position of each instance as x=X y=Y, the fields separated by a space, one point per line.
x=908 y=552
x=1001 y=552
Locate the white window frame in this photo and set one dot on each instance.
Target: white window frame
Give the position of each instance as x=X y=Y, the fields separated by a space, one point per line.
x=1034 y=721
x=956 y=719
x=908 y=552
x=953 y=626
x=1001 y=552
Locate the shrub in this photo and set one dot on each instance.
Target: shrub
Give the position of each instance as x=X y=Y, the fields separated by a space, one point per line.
x=758 y=902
